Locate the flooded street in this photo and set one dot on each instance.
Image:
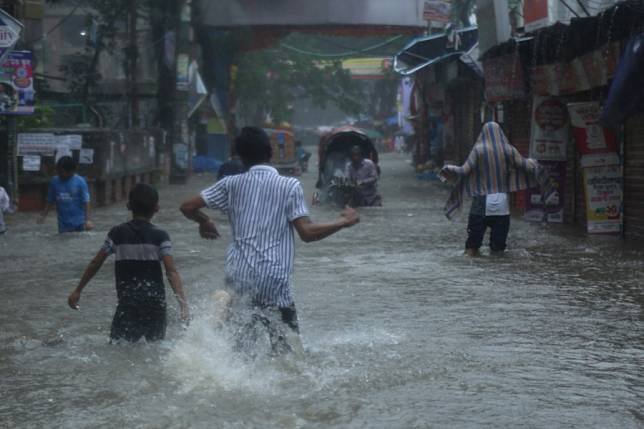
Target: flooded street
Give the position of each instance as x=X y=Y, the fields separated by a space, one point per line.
x=400 y=330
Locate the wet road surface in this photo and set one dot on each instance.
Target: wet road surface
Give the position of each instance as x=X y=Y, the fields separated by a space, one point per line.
x=399 y=329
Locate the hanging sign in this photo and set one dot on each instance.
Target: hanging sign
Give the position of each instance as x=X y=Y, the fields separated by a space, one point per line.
x=17 y=84
x=553 y=209
x=43 y=144
x=535 y=14
x=549 y=132
x=596 y=144
x=31 y=163
x=74 y=141
x=86 y=156
x=603 y=192
x=183 y=72
x=10 y=29
x=437 y=10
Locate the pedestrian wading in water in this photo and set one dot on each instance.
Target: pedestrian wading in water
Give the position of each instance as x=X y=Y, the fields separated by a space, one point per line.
x=68 y=192
x=265 y=210
x=140 y=248
x=493 y=169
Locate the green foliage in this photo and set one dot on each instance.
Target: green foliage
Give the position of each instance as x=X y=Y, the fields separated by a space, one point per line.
x=270 y=81
x=42 y=118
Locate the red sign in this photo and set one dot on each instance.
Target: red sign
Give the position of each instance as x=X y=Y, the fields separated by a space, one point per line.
x=535 y=14
x=598 y=145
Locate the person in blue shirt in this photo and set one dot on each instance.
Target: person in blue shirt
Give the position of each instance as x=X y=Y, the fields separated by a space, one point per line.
x=70 y=194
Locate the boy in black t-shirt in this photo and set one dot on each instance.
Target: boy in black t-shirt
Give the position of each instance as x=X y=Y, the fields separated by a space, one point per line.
x=139 y=247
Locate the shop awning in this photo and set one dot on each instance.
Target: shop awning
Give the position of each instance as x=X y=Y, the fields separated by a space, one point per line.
x=430 y=50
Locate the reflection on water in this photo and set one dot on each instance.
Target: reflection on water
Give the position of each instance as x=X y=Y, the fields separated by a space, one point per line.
x=399 y=329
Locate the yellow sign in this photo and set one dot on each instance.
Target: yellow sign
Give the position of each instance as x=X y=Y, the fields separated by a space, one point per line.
x=366 y=67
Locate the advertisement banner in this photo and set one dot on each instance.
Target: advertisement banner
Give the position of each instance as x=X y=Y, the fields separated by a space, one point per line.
x=596 y=144
x=437 y=10
x=183 y=72
x=549 y=133
x=17 y=84
x=43 y=144
x=553 y=211
x=603 y=192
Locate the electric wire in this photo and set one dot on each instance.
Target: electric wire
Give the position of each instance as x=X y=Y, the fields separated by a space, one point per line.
x=340 y=54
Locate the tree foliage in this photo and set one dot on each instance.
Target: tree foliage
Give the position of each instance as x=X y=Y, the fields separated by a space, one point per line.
x=270 y=81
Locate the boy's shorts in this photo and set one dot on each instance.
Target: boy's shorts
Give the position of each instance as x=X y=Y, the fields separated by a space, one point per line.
x=131 y=322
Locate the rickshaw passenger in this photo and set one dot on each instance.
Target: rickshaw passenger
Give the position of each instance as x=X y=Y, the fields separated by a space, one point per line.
x=364 y=173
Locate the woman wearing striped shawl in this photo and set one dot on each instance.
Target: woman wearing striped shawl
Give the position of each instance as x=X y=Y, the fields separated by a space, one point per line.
x=493 y=166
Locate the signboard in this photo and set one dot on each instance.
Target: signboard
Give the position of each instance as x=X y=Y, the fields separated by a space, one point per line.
x=603 y=192
x=74 y=141
x=553 y=211
x=10 y=29
x=17 y=84
x=86 y=156
x=437 y=10
x=549 y=132
x=31 y=163
x=43 y=144
x=596 y=144
x=180 y=151
x=504 y=79
x=183 y=72
x=535 y=14
x=366 y=68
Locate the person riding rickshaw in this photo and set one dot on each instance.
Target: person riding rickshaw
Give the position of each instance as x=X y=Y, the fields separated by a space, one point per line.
x=348 y=169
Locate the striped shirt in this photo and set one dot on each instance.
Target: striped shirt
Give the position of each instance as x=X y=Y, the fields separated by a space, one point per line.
x=139 y=247
x=495 y=166
x=261 y=206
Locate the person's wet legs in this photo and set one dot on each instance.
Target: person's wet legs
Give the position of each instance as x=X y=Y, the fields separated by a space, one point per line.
x=500 y=228
x=476 y=227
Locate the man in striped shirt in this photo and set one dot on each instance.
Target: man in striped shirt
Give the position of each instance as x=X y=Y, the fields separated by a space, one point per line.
x=264 y=209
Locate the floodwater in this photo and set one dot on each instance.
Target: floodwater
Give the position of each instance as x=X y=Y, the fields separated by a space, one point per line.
x=399 y=329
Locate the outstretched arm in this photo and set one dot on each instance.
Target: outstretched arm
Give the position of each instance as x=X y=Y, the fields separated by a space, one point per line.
x=89 y=273
x=192 y=210
x=310 y=231
x=175 y=282
x=453 y=172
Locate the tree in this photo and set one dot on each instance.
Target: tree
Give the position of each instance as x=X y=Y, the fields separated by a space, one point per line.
x=103 y=21
x=270 y=81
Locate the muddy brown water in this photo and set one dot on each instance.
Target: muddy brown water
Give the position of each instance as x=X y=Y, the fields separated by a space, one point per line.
x=399 y=329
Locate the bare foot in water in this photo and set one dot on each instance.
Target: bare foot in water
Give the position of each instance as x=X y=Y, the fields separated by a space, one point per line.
x=472 y=253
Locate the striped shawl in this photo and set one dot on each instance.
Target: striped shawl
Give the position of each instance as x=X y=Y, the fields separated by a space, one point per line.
x=493 y=166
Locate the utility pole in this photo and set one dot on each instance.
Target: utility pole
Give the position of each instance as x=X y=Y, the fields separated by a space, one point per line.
x=132 y=63
x=180 y=135
x=173 y=111
x=12 y=29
